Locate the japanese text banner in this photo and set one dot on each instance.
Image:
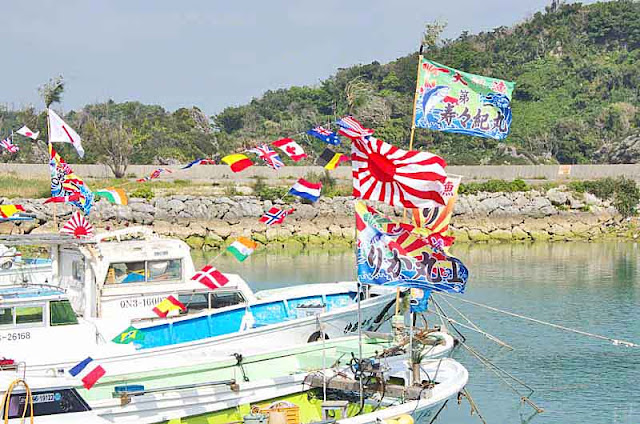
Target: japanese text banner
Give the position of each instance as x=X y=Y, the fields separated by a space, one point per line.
x=454 y=101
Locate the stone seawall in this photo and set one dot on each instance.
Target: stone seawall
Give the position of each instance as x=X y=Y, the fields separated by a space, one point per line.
x=209 y=223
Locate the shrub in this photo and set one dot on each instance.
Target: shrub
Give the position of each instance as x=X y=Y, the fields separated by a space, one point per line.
x=494 y=186
x=626 y=197
x=264 y=192
x=143 y=192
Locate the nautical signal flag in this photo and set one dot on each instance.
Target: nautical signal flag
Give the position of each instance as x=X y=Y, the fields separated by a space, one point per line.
x=325 y=135
x=394 y=176
x=238 y=162
x=129 y=335
x=7 y=211
x=199 y=162
x=78 y=226
x=210 y=277
x=169 y=304
x=242 y=248
x=330 y=159
x=61 y=132
x=25 y=131
x=117 y=196
x=290 y=148
x=275 y=216
x=351 y=128
x=88 y=371
x=306 y=190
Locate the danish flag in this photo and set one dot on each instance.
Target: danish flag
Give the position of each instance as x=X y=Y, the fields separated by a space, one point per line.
x=210 y=277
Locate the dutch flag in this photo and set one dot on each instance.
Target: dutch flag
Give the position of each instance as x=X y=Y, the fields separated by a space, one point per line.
x=306 y=190
x=88 y=371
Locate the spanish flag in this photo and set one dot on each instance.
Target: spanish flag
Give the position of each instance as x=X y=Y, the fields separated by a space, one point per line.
x=330 y=159
x=6 y=211
x=163 y=308
x=238 y=162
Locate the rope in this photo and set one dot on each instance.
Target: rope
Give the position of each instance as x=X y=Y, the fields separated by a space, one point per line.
x=615 y=342
x=6 y=400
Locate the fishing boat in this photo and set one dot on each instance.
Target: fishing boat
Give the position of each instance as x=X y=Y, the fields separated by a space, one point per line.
x=15 y=269
x=225 y=388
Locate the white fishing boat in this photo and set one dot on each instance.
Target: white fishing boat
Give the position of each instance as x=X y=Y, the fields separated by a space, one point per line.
x=223 y=389
x=15 y=269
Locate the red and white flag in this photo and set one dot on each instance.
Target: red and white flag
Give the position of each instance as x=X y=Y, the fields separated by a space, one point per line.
x=210 y=277
x=291 y=148
x=350 y=127
x=8 y=144
x=397 y=177
x=25 y=131
x=75 y=197
x=78 y=226
x=60 y=132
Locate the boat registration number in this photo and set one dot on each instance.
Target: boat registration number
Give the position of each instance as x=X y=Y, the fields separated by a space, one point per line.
x=12 y=337
x=141 y=302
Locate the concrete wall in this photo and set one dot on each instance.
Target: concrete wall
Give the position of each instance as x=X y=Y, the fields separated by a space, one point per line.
x=221 y=173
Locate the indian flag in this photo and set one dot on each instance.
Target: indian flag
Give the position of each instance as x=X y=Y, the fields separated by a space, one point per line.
x=113 y=195
x=242 y=248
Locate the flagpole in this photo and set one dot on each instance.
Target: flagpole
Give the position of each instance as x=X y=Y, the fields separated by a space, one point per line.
x=415 y=100
x=55 y=207
x=359 y=286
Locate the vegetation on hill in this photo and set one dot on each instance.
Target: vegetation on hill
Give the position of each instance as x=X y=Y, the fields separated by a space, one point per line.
x=578 y=89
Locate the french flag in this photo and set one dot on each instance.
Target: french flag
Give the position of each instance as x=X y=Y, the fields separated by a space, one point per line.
x=306 y=190
x=88 y=371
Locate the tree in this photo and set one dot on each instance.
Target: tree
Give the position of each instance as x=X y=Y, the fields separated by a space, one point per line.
x=111 y=142
x=431 y=33
x=51 y=92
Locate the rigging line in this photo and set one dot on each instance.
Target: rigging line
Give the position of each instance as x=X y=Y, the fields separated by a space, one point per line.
x=487 y=335
x=615 y=342
x=478 y=329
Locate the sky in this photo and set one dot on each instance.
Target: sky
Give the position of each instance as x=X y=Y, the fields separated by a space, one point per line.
x=214 y=53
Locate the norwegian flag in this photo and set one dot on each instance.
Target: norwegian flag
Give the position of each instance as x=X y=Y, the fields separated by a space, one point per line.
x=351 y=128
x=78 y=226
x=275 y=216
x=268 y=155
x=8 y=144
x=397 y=177
x=210 y=277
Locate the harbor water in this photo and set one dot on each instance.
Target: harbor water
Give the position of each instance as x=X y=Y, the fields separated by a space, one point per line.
x=588 y=286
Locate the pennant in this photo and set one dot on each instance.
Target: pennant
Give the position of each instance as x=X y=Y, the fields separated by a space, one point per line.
x=306 y=190
x=290 y=148
x=325 y=135
x=199 y=162
x=9 y=146
x=7 y=211
x=268 y=155
x=238 y=162
x=88 y=371
x=381 y=261
x=351 y=128
x=169 y=304
x=210 y=277
x=436 y=219
x=60 y=132
x=454 y=101
x=78 y=226
x=242 y=248
x=155 y=174
x=394 y=176
x=66 y=186
x=275 y=216
x=114 y=195
x=129 y=335
x=330 y=159
x=419 y=301
x=26 y=132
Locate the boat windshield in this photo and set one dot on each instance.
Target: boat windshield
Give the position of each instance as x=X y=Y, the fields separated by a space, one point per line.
x=62 y=313
x=144 y=271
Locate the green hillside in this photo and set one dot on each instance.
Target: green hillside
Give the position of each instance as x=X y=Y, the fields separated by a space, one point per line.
x=577 y=78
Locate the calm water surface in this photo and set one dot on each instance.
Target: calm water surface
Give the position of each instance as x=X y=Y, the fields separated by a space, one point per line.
x=590 y=286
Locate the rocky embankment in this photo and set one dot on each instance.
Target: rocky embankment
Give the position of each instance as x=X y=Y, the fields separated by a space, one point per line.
x=208 y=223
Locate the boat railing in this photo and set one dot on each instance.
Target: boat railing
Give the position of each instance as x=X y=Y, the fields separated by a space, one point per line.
x=147 y=233
x=42 y=286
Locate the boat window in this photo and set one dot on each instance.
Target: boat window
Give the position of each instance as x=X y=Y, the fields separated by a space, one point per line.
x=222 y=299
x=144 y=271
x=77 y=269
x=165 y=270
x=194 y=301
x=6 y=316
x=29 y=314
x=62 y=313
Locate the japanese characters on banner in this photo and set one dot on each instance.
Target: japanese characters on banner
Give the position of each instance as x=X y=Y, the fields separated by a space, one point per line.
x=454 y=101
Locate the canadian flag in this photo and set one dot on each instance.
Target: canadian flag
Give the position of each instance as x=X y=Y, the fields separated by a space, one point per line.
x=60 y=132
x=25 y=131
